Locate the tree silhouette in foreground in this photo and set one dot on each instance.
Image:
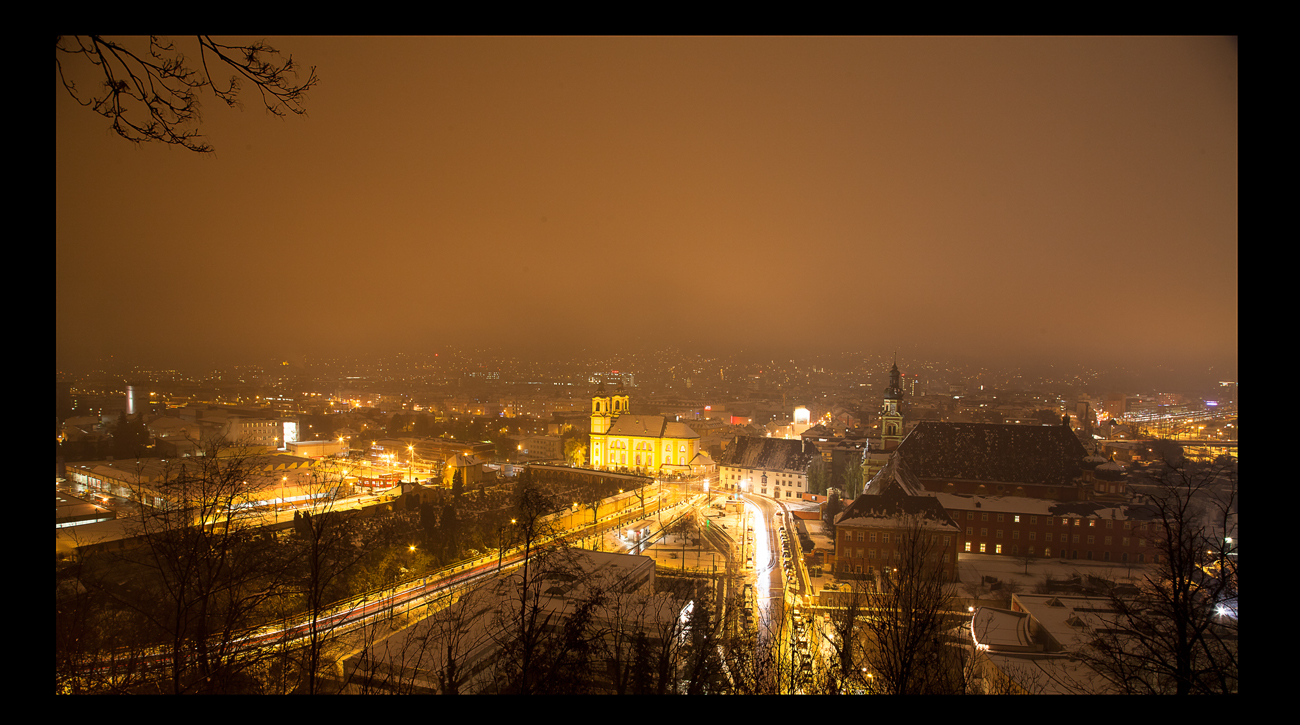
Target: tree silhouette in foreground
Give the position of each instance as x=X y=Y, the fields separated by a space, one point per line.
x=1178 y=635
x=153 y=95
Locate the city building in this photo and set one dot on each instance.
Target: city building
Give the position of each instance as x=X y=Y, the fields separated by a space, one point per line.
x=546 y=448
x=1043 y=528
x=272 y=480
x=638 y=442
x=870 y=533
x=997 y=459
x=774 y=467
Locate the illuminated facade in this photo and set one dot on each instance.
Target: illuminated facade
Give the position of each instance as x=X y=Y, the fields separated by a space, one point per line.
x=639 y=442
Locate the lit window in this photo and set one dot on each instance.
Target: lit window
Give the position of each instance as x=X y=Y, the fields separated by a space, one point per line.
x=982 y=548
x=997 y=549
x=968 y=546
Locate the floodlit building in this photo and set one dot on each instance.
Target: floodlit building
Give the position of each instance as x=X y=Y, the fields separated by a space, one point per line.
x=650 y=443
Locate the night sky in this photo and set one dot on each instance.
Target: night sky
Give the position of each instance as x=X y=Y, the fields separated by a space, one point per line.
x=1039 y=199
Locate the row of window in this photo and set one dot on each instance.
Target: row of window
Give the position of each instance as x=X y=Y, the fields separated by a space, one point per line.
x=642 y=446
x=1047 y=553
x=1065 y=521
x=726 y=474
x=1033 y=536
x=884 y=537
x=857 y=568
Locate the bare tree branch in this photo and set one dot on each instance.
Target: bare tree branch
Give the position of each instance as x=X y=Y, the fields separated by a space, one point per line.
x=155 y=97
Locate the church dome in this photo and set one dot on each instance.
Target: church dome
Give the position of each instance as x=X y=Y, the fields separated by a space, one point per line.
x=1109 y=471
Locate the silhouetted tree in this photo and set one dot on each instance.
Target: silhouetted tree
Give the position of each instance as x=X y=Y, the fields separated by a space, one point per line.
x=904 y=638
x=854 y=476
x=818 y=476
x=200 y=570
x=833 y=508
x=641 y=681
x=703 y=668
x=328 y=545
x=1178 y=634
x=152 y=95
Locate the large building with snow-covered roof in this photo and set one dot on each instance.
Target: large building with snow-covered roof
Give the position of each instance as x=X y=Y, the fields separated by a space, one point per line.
x=775 y=467
x=870 y=535
x=1087 y=530
x=1021 y=490
x=996 y=459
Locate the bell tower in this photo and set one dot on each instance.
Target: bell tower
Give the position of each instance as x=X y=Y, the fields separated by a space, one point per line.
x=602 y=411
x=620 y=399
x=891 y=418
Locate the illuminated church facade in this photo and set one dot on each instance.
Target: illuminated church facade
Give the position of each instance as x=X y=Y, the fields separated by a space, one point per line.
x=650 y=443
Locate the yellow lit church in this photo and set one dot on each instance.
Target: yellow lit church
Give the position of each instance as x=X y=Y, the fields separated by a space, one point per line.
x=649 y=443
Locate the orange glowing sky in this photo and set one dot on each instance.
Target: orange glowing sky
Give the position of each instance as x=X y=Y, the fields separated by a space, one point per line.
x=1046 y=198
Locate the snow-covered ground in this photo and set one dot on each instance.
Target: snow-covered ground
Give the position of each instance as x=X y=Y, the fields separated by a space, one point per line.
x=972 y=567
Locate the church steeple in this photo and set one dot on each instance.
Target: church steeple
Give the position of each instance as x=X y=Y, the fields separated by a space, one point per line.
x=891 y=418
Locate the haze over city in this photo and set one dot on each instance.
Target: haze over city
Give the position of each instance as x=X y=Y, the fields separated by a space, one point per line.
x=1019 y=200
x=646 y=365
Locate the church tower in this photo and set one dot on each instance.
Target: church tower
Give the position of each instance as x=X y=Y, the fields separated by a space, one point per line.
x=891 y=419
x=620 y=399
x=602 y=411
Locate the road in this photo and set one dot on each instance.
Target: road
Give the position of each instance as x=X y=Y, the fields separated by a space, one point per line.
x=400 y=598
